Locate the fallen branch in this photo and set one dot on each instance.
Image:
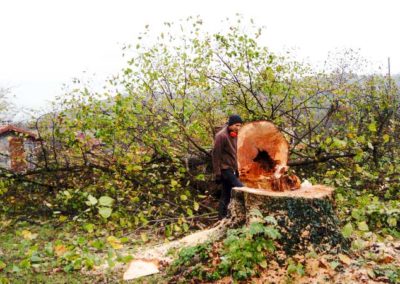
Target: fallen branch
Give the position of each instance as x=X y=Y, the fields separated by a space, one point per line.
x=309 y=161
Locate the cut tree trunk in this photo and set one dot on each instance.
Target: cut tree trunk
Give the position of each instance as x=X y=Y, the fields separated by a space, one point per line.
x=262 y=158
x=305 y=213
x=306 y=217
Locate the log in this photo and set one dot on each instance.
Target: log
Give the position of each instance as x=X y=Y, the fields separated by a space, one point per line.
x=262 y=153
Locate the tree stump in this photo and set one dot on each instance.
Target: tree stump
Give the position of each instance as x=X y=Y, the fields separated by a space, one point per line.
x=305 y=213
x=306 y=217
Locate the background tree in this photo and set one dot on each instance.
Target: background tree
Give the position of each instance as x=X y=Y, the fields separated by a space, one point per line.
x=6 y=106
x=144 y=143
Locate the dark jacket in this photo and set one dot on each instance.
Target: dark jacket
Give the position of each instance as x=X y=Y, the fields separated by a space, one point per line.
x=224 y=154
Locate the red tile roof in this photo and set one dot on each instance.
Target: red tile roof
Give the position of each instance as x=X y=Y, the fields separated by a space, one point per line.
x=11 y=128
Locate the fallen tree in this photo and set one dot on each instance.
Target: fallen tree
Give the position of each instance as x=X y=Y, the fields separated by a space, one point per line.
x=304 y=213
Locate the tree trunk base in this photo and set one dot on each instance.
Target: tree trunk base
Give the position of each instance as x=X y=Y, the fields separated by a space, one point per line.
x=306 y=217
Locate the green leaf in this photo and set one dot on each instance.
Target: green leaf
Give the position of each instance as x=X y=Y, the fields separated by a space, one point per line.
x=256 y=228
x=271 y=220
x=115 y=242
x=362 y=226
x=328 y=140
x=358 y=168
x=292 y=268
x=105 y=212
x=357 y=244
x=97 y=244
x=92 y=200
x=88 y=227
x=106 y=201
x=386 y=138
x=392 y=221
x=126 y=259
x=196 y=206
x=15 y=268
x=137 y=168
x=183 y=197
x=263 y=264
x=340 y=144
x=272 y=232
x=357 y=214
x=372 y=126
x=174 y=183
x=35 y=258
x=347 y=230
x=334 y=264
x=201 y=177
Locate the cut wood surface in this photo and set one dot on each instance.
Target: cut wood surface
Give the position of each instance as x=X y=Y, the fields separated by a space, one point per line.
x=141 y=267
x=262 y=158
x=151 y=257
x=160 y=251
x=262 y=141
x=315 y=191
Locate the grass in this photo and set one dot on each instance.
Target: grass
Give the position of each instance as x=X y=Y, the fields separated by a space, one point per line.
x=47 y=253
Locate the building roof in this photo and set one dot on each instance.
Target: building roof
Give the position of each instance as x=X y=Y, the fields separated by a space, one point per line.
x=11 y=128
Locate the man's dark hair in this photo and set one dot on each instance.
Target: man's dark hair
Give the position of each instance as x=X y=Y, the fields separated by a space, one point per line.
x=233 y=119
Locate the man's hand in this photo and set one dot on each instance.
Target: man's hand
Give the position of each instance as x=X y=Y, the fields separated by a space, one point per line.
x=218 y=179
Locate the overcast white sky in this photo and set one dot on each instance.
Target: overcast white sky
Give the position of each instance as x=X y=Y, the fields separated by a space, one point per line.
x=44 y=43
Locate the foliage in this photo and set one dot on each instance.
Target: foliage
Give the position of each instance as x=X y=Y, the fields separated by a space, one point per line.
x=243 y=253
x=246 y=250
x=295 y=268
x=392 y=273
x=34 y=252
x=363 y=213
x=187 y=255
x=137 y=154
x=144 y=141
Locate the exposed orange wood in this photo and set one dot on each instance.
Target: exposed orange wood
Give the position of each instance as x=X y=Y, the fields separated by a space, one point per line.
x=262 y=158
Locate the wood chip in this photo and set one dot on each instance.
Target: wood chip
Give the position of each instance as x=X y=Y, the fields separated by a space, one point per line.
x=141 y=267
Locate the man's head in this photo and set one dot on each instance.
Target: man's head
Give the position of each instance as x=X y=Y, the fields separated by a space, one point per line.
x=234 y=123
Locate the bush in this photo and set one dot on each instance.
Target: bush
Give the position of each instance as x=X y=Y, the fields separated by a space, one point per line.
x=242 y=254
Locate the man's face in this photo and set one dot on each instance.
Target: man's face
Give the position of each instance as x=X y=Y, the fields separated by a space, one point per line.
x=235 y=127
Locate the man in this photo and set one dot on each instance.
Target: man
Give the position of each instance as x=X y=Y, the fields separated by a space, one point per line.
x=224 y=157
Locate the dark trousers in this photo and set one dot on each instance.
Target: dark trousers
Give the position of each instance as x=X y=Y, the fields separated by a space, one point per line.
x=229 y=180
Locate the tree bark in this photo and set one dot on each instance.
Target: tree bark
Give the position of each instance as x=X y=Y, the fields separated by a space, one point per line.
x=306 y=218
